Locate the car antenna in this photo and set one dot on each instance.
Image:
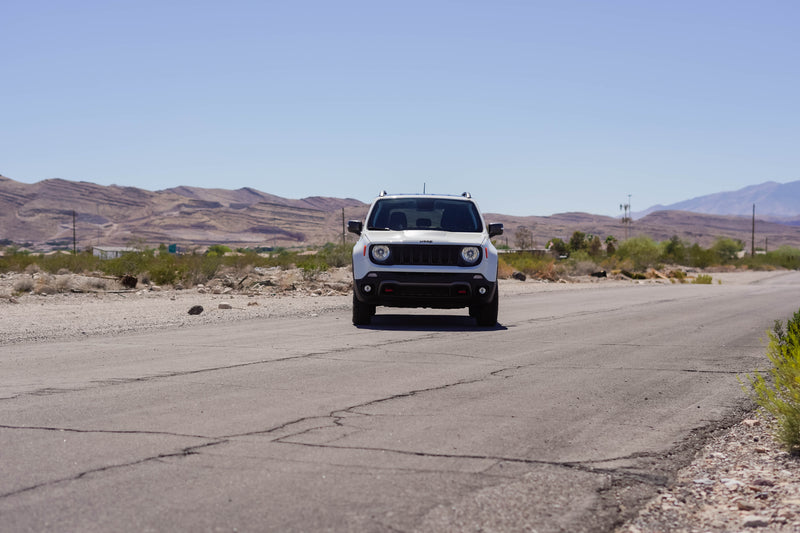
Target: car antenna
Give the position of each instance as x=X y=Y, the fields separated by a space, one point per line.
x=423 y=187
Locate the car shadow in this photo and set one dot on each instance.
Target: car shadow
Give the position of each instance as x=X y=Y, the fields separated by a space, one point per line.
x=399 y=322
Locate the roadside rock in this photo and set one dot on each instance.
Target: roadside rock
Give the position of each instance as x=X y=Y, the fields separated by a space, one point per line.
x=740 y=479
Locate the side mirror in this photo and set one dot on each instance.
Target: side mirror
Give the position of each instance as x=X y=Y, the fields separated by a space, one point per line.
x=355 y=226
x=495 y=229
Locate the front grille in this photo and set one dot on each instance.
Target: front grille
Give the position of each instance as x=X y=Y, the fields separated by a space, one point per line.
x=427 y=255
x=401 y=290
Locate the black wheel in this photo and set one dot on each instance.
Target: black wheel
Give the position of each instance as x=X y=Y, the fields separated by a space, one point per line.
x=362 y=313
x=486 y=315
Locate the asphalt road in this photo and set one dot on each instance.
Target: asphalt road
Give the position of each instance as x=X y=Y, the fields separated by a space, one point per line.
x=579 y=405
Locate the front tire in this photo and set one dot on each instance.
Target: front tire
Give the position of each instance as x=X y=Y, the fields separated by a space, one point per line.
x=362 y=313
x=486 y=315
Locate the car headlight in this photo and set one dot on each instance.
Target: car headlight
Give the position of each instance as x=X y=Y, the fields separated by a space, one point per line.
x=380 y=253
x=470 y=254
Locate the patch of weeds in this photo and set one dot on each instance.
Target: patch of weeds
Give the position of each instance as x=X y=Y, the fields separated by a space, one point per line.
x=779 y=391
x=703 y=279
x=677 y=275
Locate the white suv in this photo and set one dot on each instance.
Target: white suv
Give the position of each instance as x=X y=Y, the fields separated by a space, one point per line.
x=425 y=250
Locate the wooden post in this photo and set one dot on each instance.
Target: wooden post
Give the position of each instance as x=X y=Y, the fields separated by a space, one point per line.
x=753 y=237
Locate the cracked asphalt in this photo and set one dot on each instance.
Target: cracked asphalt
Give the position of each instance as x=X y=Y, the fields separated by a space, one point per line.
x=566 y=417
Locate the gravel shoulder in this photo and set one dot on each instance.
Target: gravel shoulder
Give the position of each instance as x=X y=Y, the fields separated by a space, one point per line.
x=740 y=480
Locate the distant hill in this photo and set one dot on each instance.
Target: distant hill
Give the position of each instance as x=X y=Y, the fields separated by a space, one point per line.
x=660 y=225
x=41 y=214
x=773 y=201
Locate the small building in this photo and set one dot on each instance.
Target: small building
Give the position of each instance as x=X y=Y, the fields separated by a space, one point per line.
x=111 y=252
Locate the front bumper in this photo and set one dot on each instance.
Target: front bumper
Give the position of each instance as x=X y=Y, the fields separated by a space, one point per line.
x=417 y=289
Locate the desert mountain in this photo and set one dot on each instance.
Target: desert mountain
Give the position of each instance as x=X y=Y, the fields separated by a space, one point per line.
x=42 y=214
x=773 y=201
x=659 y=225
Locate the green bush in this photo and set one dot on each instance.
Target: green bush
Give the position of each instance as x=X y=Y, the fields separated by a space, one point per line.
x=779 y=392
x=785 y=256
x=673 y=251
x=642 y=251
x=726 y=249
x=336 y=255
x=698 y=257
x=703 y=279
x=217 y=250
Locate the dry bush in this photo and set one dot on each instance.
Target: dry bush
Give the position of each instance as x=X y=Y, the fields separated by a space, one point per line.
x=23 y=285
x=96 y=283
x=548 y=272
x=45 y=284
x=583 y=268
x=504 y=270
x=64 y=282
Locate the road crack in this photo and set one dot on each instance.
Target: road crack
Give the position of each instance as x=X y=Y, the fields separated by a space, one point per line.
x=184 y=452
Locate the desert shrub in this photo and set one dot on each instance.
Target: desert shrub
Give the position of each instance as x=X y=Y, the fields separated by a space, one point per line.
x=283 y=258
x=678 y=275
x=245 y=260
x=63 y=282
x=504 y=270
x=218 y=250
x=164 y=272
x=698 y=257
x=703 y=279
x=785 y=256
x=779 y=391
x=673 y=251
x=725 y=249
x=336 y=255
x=23 y=285
x=532 y=265
x=580 y=263
x=312 y=266
x=209 y=266
x=132 y=263
x=642 y=251
x=76 y=263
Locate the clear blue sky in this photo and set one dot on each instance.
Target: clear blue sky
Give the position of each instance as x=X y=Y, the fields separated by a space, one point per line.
x=535 y=107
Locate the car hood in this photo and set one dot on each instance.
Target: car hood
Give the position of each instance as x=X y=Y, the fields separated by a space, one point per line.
x=427 y=237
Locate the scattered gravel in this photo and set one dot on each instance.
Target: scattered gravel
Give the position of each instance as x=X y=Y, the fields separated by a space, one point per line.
x=740 y=481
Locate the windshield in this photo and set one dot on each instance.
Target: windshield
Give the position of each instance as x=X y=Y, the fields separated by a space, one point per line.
x=425 y=214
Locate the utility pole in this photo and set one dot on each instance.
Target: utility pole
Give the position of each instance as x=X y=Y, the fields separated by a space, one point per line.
x=753 y=238
x=344 y=231
x=74 y=240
